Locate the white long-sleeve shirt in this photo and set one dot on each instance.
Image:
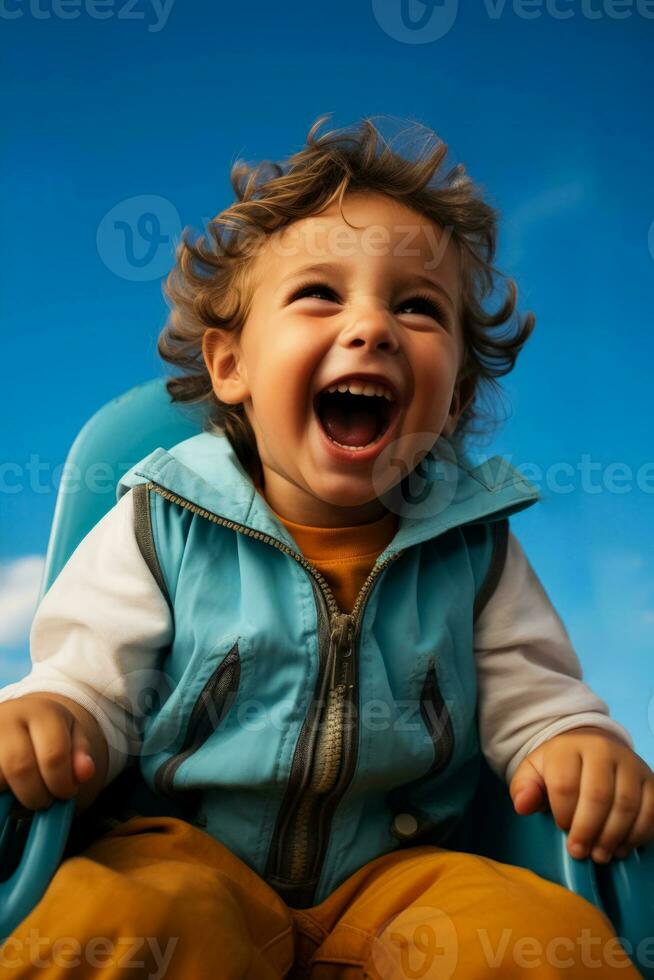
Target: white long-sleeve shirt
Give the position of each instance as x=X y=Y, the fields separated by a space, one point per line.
x=100 y=630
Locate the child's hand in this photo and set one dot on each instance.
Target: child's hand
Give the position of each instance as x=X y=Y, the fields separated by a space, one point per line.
x=597 y=788
x=47 y=748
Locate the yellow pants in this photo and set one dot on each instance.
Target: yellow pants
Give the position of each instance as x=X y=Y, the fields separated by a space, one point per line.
x=157 y=897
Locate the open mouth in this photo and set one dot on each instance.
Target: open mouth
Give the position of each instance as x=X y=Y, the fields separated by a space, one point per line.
x=354 y=421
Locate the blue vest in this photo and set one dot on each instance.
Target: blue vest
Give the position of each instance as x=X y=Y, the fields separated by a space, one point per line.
x=308 y=740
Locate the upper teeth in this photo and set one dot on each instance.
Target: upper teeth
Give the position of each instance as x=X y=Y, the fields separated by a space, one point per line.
x=363 y=388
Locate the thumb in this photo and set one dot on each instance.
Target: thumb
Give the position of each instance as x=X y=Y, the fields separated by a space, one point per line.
x=83 y=762
x=527 y=789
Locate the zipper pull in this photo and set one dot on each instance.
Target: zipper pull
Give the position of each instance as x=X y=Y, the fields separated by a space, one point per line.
x=340 y=647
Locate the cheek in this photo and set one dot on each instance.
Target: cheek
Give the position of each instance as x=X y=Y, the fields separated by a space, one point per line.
x=282 y=388
x=292 y=354
x=434 y=371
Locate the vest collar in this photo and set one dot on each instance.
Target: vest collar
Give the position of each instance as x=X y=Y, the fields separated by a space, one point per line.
x=444 y=491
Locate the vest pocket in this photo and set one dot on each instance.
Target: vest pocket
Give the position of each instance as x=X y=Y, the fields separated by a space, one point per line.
x=412 y=825
x=209 y=711
x=437 y=720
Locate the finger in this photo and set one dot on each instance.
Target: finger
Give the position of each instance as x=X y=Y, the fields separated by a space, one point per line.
x=529 y=796
x=82 y=760
x=51 y=739
x=562 y=772
x=20 y=769
x=641 y=832
x=622 y=815
x=527 y=788
x=596 y=791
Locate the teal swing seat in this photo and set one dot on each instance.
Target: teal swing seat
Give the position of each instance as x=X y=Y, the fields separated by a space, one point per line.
x=33 y=844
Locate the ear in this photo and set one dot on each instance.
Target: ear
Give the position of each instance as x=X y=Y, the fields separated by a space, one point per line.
x=464 y=392
x=224 y=364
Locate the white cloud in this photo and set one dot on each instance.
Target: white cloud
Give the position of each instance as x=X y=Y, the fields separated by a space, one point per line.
x=20 y=581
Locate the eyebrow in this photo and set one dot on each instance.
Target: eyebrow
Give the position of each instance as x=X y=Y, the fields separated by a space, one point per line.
x=335 y=267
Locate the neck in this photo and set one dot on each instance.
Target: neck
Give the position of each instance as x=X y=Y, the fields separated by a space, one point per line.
x=303 y=508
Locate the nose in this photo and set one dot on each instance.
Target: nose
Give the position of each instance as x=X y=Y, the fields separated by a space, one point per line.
x=371 y=327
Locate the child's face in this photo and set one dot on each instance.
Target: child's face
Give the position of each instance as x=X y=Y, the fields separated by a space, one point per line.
x=364 y=318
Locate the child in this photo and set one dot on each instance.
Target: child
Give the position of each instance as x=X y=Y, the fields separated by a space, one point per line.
x=304 y=623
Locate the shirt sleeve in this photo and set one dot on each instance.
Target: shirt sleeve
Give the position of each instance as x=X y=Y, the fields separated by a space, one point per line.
x=530 y=682
x=99 y=633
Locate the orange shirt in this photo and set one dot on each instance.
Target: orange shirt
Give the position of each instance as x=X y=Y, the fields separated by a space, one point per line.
x=344 y=555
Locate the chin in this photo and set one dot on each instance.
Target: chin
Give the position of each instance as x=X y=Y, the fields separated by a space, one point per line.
x=346 y=496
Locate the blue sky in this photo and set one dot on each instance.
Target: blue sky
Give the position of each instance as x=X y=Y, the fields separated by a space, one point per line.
x=548 y=107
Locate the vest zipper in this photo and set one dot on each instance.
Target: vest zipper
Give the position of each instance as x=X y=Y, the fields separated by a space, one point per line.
x=300 y=839
x=326 y=745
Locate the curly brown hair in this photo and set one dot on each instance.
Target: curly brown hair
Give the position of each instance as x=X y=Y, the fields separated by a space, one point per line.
x=210 y=285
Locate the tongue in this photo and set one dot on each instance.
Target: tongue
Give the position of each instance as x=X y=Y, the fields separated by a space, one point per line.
x=351 y=424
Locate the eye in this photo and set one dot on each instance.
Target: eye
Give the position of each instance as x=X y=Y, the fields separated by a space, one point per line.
x=312 y=289
x=424 y=302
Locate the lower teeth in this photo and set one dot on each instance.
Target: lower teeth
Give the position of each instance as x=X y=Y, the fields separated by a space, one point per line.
x=354 y=447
